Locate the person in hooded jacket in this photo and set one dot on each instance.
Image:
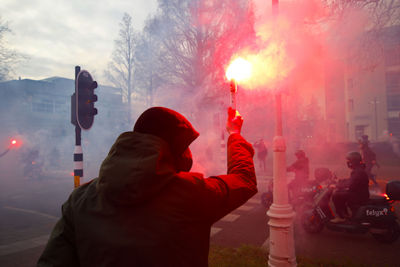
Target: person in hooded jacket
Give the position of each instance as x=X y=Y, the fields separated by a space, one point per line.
x=146 y=208
x=262 y=153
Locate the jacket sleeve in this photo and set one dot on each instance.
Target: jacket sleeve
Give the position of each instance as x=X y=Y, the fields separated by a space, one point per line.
x=358 y=181
x=297 y=165
x=60 y=249
x=225 y=193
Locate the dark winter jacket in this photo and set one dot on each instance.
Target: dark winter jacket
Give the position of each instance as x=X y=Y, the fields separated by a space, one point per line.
x=140 y=212
x=300 y=168
x=358 y=185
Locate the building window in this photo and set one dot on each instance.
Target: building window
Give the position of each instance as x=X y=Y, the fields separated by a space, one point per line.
x=394 y=127
x=43 y=105
x=393 y=82
x=351 y=105
x=359 y=131
x=60 y=106
x=393 y=102
x=392 y=56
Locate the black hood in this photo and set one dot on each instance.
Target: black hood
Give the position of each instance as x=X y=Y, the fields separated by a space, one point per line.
x=137 y=167
x=169 y=125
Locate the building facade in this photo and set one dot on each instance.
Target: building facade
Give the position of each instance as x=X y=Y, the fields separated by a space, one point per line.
x=38 y=113
x=364 y=99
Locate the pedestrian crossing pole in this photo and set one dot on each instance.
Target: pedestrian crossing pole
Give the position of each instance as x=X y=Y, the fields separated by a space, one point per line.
x=78 y=158
x=78 y=153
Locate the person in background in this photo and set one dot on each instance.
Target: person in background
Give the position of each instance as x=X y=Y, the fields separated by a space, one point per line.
x=369 y=158
x=301 y=171
x=355 y=190
x=262 y=153
x=146 y=208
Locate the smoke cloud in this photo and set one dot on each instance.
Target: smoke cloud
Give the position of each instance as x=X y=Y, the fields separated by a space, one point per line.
x=292 y=53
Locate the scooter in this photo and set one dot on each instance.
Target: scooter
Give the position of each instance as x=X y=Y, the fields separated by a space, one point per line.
x=303 y=196
x=33 y=170
x=376 y=216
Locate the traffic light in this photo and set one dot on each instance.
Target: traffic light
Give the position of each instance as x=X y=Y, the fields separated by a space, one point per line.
x=84 y=99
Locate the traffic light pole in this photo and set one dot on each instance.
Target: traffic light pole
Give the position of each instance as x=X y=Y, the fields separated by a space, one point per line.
x=78 y=157
x=82 y=115
x=78 y=153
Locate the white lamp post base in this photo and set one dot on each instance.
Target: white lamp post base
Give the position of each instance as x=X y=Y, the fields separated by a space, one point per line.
x=281 y=242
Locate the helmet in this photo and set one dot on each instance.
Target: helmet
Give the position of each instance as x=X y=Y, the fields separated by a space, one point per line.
x=365 y=138
x=354 y=159
x=300 y=153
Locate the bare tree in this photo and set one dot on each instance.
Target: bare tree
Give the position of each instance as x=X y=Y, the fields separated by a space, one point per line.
x=120 y=70
x=366 y=49
x=147 y=53
x=8 y=57
x=194 y=41
x=382 y=13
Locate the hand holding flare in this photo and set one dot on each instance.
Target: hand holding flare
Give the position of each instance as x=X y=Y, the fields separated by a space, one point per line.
x=234 y=122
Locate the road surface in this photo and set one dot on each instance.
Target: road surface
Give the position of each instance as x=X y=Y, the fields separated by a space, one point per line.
x=29 y=209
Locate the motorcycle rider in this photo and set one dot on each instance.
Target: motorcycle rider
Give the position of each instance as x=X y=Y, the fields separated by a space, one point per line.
x=32 y=163
x=357 y=191
x=301 y=171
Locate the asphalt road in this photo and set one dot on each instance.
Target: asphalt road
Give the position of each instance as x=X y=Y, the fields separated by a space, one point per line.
x=29 y=210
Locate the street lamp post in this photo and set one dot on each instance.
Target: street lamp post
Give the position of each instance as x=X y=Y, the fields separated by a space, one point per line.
x=281 y=241
x=375 y=102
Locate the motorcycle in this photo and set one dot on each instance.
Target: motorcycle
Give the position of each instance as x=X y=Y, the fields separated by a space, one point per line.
x=376 y=216
x=33 y=170
x=302 y=196
x=32 y=163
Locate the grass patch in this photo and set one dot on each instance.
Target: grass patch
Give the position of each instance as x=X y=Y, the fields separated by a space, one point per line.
x=251 y=256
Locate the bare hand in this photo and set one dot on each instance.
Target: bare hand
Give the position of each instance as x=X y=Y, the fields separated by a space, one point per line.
x=235 y=121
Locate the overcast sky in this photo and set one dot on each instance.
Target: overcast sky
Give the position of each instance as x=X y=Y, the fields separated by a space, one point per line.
x=57 y=35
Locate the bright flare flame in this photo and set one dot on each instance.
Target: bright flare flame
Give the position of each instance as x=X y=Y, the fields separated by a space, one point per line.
x=239 y=69
x=15 y=143
x=268 y=67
